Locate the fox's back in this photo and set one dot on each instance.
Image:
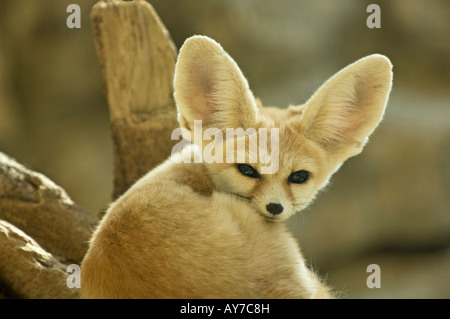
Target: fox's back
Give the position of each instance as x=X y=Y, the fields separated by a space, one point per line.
x=165 y=240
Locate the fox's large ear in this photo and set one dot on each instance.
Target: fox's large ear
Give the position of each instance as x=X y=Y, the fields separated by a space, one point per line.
x=209 y=86
x=342 y=114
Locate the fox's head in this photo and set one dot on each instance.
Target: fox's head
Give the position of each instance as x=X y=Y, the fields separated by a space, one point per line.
x=310 y=143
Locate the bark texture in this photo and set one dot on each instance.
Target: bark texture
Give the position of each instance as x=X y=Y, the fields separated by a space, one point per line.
x=138 y=58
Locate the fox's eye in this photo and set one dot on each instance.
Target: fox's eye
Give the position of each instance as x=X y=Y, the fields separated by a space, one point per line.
x=247 y=170
x=298 y=177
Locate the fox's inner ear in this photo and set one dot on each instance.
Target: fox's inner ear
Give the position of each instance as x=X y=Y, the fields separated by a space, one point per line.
x=209 y=86
x=342 y=114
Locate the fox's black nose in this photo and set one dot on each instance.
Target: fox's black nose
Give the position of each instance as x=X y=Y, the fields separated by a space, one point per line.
x=274 y=208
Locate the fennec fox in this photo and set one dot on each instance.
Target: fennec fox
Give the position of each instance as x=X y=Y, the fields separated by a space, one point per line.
x=213 y=229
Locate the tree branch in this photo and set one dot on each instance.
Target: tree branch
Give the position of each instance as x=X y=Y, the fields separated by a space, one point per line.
x=44 y=211
x=138 y=59
x=27 y=270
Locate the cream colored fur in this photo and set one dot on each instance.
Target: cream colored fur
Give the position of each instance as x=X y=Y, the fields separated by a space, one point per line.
x=198 y=230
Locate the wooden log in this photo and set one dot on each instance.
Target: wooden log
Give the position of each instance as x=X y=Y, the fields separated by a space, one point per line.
x=137 y=58
x=44 y=211
x=27 y=270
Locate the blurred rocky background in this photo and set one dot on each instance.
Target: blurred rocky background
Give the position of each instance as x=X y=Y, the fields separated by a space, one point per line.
x=389 y=206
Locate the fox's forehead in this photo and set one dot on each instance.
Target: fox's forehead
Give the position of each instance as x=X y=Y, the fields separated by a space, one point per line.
x=286 y=120
x=272 y=116
x=296 y=152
